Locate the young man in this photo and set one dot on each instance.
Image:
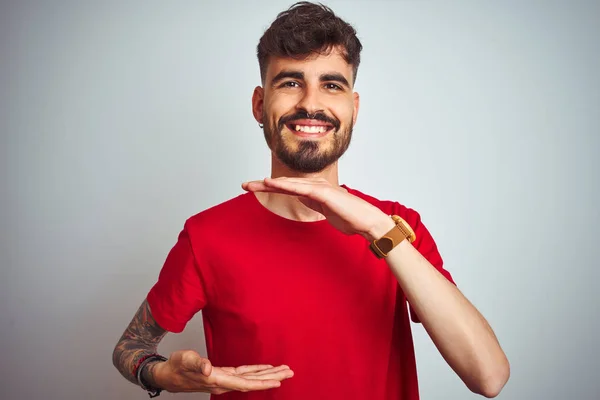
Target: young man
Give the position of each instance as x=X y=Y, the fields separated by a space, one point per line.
x=306 y=287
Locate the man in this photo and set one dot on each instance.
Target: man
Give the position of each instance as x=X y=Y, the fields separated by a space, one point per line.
x=307 y=287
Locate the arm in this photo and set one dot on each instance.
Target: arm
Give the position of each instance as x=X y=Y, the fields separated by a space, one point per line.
x=461 y=334
x=458 y=330
x=141 y=337
x=186 y=370
x=175 y=299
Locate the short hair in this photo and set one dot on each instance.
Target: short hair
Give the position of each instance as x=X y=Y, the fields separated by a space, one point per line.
x=305 y=29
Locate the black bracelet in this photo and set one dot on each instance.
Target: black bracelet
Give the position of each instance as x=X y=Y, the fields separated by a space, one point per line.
x=152 y=391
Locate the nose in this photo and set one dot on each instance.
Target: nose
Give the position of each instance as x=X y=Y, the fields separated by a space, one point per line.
x=310 y=100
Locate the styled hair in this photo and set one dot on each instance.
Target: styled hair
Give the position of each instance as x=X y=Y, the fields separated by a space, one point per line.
x=306 y=29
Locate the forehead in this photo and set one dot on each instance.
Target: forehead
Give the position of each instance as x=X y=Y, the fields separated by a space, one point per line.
x=312 y=66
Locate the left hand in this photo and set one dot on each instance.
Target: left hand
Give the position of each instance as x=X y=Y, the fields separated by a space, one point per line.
x=346 y=212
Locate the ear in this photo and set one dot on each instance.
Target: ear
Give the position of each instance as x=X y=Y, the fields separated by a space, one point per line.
x=356 y=107
x=257 y=104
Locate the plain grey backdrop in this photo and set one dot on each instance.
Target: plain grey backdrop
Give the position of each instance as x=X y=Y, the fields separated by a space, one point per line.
x=120 y=120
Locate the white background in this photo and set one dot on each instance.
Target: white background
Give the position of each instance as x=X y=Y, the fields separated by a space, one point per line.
x=119 y=121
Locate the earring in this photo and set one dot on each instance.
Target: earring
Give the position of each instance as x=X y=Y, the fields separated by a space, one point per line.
x=260 y=125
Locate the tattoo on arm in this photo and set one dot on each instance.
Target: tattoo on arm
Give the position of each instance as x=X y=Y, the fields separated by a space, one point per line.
x=141 y=337
x=148 y=373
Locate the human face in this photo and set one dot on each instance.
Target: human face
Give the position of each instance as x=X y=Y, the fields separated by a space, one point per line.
x=308 y=109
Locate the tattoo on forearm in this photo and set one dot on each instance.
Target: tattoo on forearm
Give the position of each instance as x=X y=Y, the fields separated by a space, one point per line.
x=141 y=337
x=148 y=373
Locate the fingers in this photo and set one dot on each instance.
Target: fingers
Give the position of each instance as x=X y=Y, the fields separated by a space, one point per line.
x=278 y=374
x=245 y=369
x=306 y=181
x=225 y=379
x=301 y=188
x=271 y=370
x=285 y=186
x=233 y=382
x=311 y=181
x=268 y=184
x=257 y=186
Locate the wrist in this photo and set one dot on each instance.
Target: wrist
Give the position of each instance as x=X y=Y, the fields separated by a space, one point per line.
x=145 y=373
x=382 y=225
x=153 y=374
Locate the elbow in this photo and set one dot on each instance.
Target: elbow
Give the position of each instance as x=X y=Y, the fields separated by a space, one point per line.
x=492 y=383
x=120 y=354
x=115 y=356
x=490 y=390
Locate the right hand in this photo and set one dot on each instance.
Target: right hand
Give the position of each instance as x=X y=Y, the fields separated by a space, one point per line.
x=187 y=371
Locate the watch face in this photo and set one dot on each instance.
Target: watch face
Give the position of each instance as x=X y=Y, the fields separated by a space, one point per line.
x=385 y=244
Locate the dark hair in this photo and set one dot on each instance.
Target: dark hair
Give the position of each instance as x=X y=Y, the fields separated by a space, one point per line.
x=304 y=29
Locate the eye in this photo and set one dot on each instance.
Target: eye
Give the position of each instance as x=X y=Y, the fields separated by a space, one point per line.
x=333 y=86
x=290 y=84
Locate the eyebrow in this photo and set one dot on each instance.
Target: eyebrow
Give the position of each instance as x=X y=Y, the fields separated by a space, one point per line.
x=328 y=77
x=335 y=77
x=287 y=74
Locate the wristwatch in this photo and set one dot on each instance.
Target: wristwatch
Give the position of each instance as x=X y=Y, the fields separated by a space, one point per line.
x=402 y=231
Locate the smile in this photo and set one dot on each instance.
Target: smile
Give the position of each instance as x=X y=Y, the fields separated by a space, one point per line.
x=310 y=130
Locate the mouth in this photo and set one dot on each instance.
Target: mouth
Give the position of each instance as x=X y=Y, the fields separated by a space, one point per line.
x=309 y=128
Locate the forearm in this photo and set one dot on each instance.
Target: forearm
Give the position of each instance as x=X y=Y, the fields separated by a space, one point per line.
x=141 y=338
x=459 y=331
x=126 y=355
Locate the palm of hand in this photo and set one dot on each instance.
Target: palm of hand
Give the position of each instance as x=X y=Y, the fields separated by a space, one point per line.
x=225 y=379
x=192 y=373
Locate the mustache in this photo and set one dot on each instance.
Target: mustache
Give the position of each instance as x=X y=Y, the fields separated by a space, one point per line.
x=319 y=116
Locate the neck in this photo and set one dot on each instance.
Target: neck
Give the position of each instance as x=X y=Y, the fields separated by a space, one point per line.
x=291 y=207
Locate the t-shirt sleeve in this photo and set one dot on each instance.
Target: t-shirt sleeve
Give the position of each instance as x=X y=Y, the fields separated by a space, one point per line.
x=426 y=245
x=179 y=291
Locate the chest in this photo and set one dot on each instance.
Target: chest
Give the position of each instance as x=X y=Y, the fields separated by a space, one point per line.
x=299 y=280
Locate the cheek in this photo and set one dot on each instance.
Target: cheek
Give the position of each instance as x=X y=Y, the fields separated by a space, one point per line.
x=345 y=114
x=344 y=108
x=280 y=105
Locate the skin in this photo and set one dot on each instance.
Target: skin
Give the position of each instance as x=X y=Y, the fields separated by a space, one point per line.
x=280 y=98
x=461 y=334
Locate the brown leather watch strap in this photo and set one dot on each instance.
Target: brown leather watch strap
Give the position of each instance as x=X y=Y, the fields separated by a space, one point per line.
x=402 y=231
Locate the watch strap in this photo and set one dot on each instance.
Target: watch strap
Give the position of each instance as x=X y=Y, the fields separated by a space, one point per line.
x=401 y=231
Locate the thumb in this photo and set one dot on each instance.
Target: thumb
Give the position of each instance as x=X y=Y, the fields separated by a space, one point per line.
x=204 y=366
x=194 y=363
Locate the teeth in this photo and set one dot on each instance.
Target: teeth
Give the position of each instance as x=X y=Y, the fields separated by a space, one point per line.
x=311 y=129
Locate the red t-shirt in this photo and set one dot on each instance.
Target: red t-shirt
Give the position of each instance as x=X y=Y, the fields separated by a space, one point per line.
x=277 y=291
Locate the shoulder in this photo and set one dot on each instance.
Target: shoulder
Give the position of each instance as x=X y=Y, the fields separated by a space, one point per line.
x=220 y=215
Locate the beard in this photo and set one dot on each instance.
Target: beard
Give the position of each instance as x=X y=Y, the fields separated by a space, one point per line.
x=308 y=157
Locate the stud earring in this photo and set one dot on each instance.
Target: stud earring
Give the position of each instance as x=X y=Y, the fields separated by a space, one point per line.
x=260 y=125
